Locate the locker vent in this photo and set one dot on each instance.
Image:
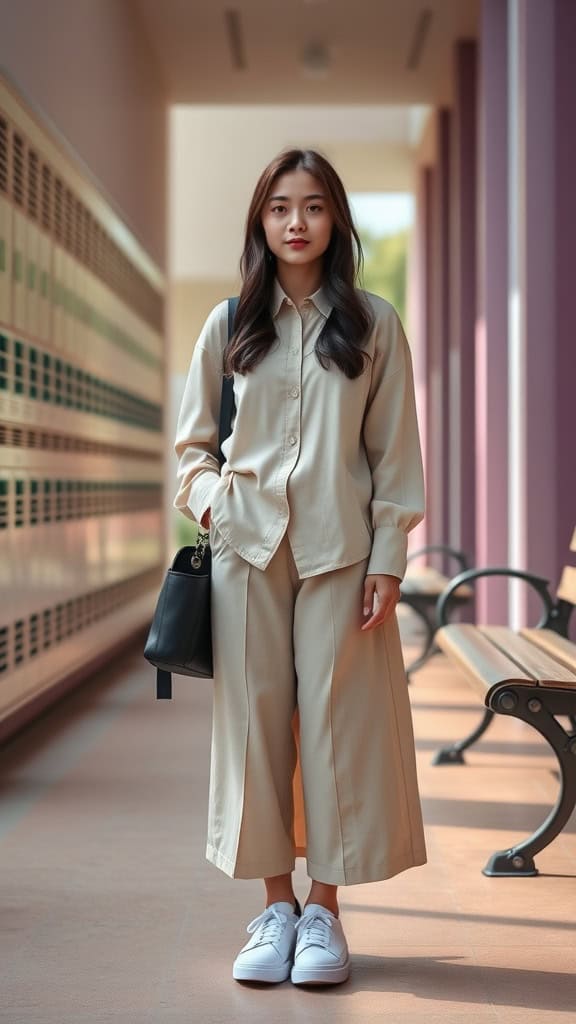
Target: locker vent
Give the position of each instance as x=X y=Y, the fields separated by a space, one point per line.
x=64 y=214
x=26 y=502
x=46 y=198
x=11 y=436
x=3 y=155
x=28 y=371
x=58 y=210
x=25 y=638
x=78 y=229
x=18 y=170
x=69 y=222
x=32 y=204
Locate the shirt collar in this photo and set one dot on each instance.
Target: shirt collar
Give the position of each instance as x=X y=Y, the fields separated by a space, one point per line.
x=319 y=298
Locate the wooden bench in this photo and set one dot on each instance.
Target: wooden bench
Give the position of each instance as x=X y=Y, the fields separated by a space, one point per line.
x=531 y=675
x=421 y=588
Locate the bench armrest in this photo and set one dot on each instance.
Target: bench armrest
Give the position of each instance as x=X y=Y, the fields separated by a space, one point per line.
x=540 y=586
x=459 y=556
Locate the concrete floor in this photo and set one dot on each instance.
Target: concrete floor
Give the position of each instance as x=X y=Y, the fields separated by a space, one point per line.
x=110 y=912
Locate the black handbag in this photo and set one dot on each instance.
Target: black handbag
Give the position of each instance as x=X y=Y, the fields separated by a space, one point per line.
x=180 y=636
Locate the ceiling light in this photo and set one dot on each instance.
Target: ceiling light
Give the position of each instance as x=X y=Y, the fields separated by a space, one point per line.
x=315 y=59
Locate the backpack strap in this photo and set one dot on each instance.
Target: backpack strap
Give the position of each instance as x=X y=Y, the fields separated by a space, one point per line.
x=227 y=406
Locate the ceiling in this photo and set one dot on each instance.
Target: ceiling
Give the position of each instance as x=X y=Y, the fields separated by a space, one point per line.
x=307 y=51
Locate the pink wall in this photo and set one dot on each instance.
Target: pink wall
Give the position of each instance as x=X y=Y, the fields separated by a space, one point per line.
x=534 y=459
x=492 y=311
x=87 y=66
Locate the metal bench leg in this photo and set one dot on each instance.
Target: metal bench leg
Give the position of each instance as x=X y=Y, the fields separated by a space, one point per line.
x=539 y=710
x=454 y=754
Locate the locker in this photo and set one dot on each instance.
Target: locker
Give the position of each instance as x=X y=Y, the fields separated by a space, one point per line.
x=82 y=365
x=5 y=260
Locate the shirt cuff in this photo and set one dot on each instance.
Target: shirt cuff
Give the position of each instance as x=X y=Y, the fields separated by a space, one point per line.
x=389 y=552
x=202 y=493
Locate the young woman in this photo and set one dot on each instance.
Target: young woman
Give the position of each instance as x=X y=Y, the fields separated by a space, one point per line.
x=312 y=742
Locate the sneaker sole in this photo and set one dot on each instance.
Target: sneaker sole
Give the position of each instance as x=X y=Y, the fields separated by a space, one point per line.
x=320 y=975
x=261 y=974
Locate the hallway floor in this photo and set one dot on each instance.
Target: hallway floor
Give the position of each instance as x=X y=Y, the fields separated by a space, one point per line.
x=110 y=912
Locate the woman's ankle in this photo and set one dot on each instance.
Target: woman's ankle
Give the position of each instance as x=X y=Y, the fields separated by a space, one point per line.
x=325 y=896
x=282 y=898
x=279 y=890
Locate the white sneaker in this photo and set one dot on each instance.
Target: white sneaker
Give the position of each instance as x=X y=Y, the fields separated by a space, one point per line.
x=321 y=956
x=268 y=955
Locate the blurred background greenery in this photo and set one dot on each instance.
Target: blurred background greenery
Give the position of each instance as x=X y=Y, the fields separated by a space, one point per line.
x=384 y=273
x=384 y=221
x=186 y=530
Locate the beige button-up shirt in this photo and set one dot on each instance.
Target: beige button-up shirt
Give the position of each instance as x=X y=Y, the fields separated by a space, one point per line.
x=334 y=462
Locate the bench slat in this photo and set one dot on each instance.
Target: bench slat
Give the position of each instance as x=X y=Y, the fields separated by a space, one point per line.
x=531 y=659
x=558 y=646
x=485 y=665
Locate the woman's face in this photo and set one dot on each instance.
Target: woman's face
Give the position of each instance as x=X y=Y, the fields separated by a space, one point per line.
x=296 y=218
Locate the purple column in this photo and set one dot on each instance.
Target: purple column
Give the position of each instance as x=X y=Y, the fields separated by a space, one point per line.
x=532 y=293
x=437 y=425
x=463 y=301
x=491 y=450
x=419 y=295
x=565 y=210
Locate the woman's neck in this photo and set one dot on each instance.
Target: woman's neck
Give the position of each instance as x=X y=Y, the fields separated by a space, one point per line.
x=299 y=282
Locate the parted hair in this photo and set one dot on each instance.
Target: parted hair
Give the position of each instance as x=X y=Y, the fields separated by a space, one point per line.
x=344 y=334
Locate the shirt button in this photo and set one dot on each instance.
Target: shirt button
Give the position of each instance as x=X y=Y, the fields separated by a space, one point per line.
x=294 y=392
x=292 y=440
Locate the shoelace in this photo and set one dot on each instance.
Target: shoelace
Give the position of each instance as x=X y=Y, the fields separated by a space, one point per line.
x=316 y=927
x=271 y=921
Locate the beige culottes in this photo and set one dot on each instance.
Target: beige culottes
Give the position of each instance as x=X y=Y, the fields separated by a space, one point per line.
x=312 y=743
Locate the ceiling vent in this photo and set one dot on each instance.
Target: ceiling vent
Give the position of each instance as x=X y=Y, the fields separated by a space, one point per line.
x=419 y=37
x=235 y=39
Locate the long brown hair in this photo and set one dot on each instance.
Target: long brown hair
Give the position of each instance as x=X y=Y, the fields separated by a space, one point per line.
x=344 y=334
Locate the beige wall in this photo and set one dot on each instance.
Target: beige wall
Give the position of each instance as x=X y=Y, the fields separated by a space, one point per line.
x=217 y=154
x=190 y=302
x=86 y=64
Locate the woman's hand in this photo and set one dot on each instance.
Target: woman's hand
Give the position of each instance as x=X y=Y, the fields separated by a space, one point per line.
x=205 y=521
x=387 y=589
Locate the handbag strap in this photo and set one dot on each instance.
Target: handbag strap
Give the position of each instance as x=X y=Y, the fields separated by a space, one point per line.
x=227 y=405
x=163 y=684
